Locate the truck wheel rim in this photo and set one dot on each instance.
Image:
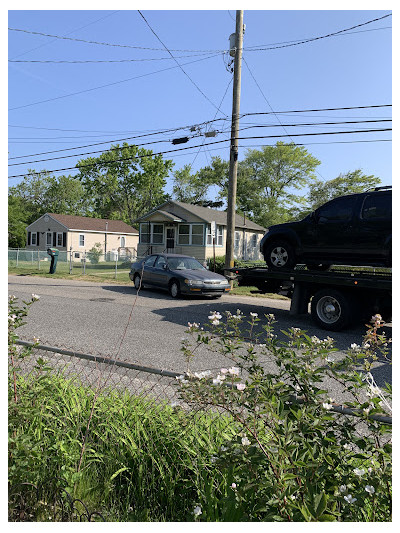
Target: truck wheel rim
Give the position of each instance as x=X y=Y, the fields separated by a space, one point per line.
x=328 y=310
x=279 y=256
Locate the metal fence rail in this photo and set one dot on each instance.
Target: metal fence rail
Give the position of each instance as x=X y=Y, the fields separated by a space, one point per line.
x=118 y=374
x=73 y=261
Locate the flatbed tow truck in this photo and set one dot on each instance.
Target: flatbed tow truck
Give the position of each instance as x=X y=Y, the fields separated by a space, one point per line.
x=339 y=297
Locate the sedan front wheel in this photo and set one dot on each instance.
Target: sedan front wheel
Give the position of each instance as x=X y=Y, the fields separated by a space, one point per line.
x=174 y=289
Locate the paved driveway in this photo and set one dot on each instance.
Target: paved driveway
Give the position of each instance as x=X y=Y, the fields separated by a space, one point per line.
x=93 y=318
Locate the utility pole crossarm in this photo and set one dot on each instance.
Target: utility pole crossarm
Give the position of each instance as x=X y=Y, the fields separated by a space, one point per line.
x=233 y=159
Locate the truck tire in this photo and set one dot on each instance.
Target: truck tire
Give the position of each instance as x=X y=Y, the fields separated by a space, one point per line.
x=279 y=255
x=332 y=309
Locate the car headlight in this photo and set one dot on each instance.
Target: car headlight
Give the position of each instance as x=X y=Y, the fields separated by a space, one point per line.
x=193 y=282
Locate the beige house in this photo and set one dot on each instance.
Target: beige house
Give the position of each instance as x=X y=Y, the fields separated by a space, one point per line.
x=69 y=233
x=177 y=227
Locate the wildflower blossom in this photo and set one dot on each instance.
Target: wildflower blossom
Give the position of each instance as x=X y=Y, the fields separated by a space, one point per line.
x=35 y=297
x=342 y=488
x=234 y=371
x=217 y=381
x=214 y=459
x=224 y=370
x=254 y=315
x=370 y=489
x=240 y=386
x=233 y=486
x=350 y=499
x=36 y=340
x=327 y=406
x=359 y=471
x=197 y=510
x=355 y=347
x=215 y=316
x=245 y=441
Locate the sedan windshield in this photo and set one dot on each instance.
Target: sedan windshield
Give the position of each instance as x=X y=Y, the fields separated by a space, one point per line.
x=184 y=263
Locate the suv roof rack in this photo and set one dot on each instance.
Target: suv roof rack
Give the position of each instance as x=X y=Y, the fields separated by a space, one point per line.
x=380 y=188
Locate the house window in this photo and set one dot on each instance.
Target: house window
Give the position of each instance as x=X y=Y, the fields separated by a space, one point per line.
x=49 y=238
x=77 y=255
x=34 y=238
x=151 y=233
x=184 y=234
x=81 y=240
x=122 y=241
x=191 y=234
x=197 y=234
x=59 y=239
x=237 y=240
x=253 y=241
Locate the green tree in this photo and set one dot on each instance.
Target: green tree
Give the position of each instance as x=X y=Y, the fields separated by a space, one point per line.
x=16 y=223
x=269 y=180
x=194 y=188
x=124 y=182
x=348 y=183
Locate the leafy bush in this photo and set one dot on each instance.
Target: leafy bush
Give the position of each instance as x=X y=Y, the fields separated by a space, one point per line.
x=295 y=458
x=220 y=263
x=94 y=253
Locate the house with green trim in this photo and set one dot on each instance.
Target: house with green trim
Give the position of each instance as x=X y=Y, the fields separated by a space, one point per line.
x=181 y=228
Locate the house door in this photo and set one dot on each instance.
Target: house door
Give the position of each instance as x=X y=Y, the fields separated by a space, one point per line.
x=170 y=239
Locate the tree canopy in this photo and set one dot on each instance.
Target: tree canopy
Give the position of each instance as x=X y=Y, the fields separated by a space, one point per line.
x=124 y=182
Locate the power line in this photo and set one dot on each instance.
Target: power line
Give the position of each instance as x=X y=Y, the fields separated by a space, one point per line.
x=317 y=110
x=223 y=148
x=304 y=41
x=108 y=84
x=179 y=65
x=84 y=61
x=223 y=141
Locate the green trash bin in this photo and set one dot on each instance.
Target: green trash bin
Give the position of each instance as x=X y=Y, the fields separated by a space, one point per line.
x=53 y=253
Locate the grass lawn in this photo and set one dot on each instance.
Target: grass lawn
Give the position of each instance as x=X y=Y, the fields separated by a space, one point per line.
x=100 y=276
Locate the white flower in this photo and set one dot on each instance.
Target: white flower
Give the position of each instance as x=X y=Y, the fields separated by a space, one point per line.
x=327 y=406
x=370 y=489
x=347 y=446
x=217 y=381
x=366 y=410
x=221 y=377
x=215 y=316
x=254 y=315
x=234 y=371
x=224 y=370
x=197 y=510
x=245 y=441
x=215 y=322
x=240 y=386
x=359 y=471
x=223 y=448
x=36 y=340
x=35 y=297
x=350 y=499
x=233 y=486
x=342 y=488
x=180 y=378
x=12 y=318
x=355 y=347
x=214 y=459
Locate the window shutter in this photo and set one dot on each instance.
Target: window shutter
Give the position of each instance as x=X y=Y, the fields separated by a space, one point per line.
x=37 y=238
x=29 y=238
x=64 y=239
x=54 y=238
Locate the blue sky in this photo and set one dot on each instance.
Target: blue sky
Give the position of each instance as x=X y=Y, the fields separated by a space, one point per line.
x=54 y=106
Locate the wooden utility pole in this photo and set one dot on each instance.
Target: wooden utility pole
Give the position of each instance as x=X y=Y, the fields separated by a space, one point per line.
x=233 y=160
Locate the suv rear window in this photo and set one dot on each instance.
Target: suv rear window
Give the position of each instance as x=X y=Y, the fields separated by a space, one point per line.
x=377 y=206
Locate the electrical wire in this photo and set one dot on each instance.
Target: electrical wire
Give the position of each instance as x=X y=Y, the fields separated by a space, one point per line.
x=179 y=65
x=221 y=141
x=224 y=148
x=85 y=61
x=108 y=84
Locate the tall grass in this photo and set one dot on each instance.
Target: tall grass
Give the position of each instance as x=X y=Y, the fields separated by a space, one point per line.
x=143 y=461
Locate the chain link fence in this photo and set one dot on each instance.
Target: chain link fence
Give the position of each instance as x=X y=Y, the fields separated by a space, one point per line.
x=113 y=264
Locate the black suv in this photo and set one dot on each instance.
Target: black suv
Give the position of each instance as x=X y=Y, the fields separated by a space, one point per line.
x=355 y=229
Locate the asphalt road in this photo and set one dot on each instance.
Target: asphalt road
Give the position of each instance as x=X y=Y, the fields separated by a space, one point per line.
x=93 y=318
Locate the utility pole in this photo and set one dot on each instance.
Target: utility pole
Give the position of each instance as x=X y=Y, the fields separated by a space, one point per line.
x=233 y=159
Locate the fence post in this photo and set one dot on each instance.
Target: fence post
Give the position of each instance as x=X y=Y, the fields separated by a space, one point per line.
x=70 y=260
x=17 y=256
x=84 y=262
x=32 y=257
x=116 y=264
x=38 y=259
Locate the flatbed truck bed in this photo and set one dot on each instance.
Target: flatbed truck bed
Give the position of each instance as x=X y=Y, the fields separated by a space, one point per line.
x=339 y=297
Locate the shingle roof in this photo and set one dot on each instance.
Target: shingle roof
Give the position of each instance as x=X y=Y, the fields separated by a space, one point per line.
x=93 y=224
x=210 y=215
